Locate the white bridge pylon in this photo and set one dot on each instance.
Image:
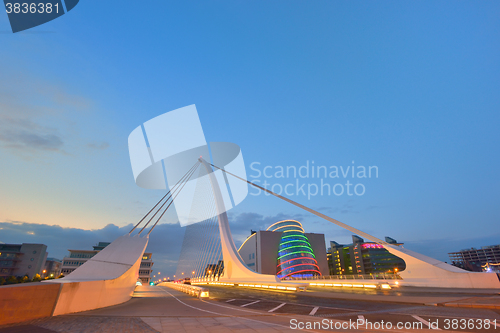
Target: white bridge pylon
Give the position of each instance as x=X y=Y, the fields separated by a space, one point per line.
x=235 y=269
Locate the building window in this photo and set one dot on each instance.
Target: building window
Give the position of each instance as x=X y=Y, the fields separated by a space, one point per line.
x=34 y=252
x=32 y=259
x=29 y=266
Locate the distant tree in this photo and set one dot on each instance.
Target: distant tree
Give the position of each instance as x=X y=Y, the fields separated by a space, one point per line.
x=37 y=278
x=24 y=279
x=11 y=280
x=60 y=276
x=2 y=281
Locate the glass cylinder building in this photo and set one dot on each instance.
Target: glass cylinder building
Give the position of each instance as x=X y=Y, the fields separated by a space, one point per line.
x=295 y=254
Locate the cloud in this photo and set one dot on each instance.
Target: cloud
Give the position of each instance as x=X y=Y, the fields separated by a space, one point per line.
x=34 y=115
x=30 y=140
x=98 y=146
x=346 y=208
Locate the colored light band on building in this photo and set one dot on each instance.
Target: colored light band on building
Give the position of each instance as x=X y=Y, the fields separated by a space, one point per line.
x=295 y=250
x=292 y=221
x=291 y=247
x=307 y=270
x=299 y=258
x=246 y=240
x=296 y=253
x=371 y=246
x=291 y=226
x=285 y=237
x=307 y=264
x=296 y=240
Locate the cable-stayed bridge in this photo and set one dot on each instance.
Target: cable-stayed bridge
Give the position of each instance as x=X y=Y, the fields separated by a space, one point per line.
x=210 y=257
x=209 y=254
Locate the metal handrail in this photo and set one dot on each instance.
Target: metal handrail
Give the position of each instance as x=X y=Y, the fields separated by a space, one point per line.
x=188 y=289
x=378 y=276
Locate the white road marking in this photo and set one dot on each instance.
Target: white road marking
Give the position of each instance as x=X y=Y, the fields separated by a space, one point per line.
x=276 y=308
x=420 y=319
x=249 y=303
x=225 y=315
x=313 y=311
x=230 y=300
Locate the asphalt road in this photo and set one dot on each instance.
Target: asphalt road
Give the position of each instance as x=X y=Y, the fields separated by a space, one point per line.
x=308 y=303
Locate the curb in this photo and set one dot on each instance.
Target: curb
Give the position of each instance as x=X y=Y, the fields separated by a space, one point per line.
x=469 y=305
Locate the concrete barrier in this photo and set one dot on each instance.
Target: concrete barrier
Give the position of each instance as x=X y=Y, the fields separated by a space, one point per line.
x=188 y=289
x=27 y=301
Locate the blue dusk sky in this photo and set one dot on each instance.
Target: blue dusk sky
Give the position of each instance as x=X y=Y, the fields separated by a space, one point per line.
x=410 y=88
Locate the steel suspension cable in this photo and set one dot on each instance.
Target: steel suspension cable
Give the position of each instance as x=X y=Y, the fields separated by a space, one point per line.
x=177 y=190
x=211 y=250
x=155 y=205
x=204 y=227
x=323 y=216
x=212 y=224
x=172 y=191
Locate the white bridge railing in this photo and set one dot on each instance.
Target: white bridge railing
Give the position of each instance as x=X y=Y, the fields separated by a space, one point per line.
x=188 y=289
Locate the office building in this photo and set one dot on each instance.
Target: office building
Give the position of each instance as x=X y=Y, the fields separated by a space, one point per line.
x=362 y=257
x=485 y=259
x=22 y=259
x=52 y=268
